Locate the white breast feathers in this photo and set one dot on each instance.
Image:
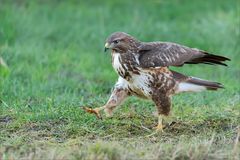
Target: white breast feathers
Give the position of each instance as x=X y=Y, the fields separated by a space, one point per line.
x=116 y=63
x=141 y=83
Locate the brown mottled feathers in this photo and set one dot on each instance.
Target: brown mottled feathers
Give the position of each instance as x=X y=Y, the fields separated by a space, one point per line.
x=163 y=54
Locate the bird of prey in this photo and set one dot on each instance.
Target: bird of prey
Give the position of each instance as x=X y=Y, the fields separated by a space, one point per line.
x=143 y=69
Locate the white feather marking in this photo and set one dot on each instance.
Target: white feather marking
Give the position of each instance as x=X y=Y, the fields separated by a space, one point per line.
x=166 y=57
x=140 y=82
x=188 y=87
x=182 y=50
x=136 y=56
x=122 y=83
x=168 y=46
x=195 y=49
x=116 y=63
x=177 y=55
x=159 y=57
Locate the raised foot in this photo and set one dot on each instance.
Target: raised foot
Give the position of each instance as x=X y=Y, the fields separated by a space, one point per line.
x=95 y=111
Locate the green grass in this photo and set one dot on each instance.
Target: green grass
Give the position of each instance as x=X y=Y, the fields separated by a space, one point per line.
x=56 y=64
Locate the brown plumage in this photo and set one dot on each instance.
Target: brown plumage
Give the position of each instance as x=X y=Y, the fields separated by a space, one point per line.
x=154 y=54
x=143 y=71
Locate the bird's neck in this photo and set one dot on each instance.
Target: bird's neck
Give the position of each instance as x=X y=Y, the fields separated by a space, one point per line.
x=125 y=64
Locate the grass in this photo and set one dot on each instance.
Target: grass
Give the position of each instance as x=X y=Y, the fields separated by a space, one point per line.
x=54 y=53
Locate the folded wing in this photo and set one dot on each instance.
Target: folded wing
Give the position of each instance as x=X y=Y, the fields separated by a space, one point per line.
x=163 y=54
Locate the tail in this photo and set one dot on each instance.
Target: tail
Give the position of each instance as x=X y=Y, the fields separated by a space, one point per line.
x=193 y=84
x=209 y=85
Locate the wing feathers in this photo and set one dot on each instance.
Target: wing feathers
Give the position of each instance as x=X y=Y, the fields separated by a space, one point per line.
x=163 y=54
x=209 y=59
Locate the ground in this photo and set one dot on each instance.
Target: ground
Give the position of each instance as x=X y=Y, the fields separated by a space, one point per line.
x=56 y=65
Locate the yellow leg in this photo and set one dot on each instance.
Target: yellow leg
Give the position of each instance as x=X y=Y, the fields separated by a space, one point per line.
x=159 y=127
x=116 y=98
x=95 y=111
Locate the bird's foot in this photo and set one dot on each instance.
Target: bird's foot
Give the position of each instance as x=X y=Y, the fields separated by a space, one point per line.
x=159 y=128
x=95 y=111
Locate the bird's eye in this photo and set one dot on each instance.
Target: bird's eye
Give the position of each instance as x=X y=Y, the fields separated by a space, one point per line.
x=116 y=41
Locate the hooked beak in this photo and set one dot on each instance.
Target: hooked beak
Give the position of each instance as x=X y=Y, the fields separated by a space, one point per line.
x=106 y=46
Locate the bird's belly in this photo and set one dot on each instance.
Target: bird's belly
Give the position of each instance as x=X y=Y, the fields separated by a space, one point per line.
x=139 y=81
x=140 y=84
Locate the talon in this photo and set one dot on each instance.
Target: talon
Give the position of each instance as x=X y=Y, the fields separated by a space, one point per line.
x=93 y=111
x=159 y=128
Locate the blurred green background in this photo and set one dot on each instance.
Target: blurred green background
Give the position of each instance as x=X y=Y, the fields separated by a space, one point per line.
x=54 y=53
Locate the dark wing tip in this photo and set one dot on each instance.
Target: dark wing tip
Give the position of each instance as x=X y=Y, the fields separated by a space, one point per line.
x=211 y=59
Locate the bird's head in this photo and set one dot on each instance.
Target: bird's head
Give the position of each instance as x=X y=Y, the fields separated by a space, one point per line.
x=120 y=42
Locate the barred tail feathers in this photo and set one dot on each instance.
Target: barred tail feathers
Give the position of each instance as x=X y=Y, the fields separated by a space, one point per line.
x=193 y=84
x=197 y=85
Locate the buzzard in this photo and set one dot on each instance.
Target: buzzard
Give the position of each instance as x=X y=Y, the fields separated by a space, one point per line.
x=143 y=69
